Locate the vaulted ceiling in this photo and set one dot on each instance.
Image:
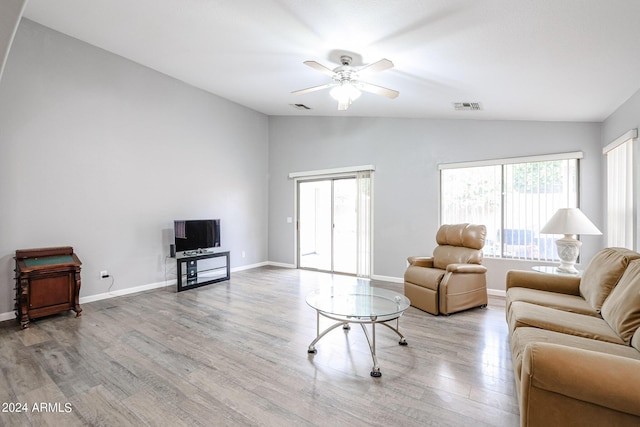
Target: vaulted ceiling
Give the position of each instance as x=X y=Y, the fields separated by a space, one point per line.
x=569 y=60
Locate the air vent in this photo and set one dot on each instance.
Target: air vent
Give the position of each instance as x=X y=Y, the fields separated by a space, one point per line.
x=300 y=107
x=467 y=106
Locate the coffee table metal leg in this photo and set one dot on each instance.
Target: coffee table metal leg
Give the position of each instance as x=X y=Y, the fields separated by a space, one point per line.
x=375 y=371
x=312 y=346
x=371 y=339
x=402 y=341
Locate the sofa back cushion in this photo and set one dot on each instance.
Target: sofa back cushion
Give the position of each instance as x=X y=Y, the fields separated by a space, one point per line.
x=621 y=310
x=459 y=244
x=602 y=274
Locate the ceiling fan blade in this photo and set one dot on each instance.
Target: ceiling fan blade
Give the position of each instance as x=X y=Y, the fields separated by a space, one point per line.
x=319 y=67
x=376 y=67
x=378 y=90
x=312 y=89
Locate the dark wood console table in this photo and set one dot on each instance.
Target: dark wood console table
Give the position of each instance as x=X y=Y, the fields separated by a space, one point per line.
x=47 y=282
x=197 y=273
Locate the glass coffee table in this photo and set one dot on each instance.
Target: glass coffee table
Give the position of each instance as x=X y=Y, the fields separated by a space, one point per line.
x=362 y=305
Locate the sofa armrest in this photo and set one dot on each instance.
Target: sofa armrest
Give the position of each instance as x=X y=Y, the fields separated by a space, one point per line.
x=421 y=261
x=467 y=268
x=544 y=282
x=563 y=385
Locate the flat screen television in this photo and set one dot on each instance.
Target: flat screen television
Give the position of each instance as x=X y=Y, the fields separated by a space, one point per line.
x=195 y=234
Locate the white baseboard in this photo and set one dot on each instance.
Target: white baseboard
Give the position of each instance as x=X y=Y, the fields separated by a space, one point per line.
x=387 y=278
x=497 y=293
x=249 y=267
x=7 y=316
x=127 y=291
x=156 y=285
x=106 y=295
x=120 y=292
x=280 y=264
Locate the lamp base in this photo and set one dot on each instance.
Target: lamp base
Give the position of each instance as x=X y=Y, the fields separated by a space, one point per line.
x=568 y=251
x=567 y=269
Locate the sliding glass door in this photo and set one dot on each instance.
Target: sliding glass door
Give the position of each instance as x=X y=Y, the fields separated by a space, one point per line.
x=345 y=221
x=334 y=224
x=315 y=225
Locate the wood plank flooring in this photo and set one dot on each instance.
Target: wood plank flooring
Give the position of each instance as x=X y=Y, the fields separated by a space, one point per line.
x=235 y=353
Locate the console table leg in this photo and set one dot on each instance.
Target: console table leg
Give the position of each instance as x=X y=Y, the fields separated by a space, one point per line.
x=76 y=297
x=22 y=296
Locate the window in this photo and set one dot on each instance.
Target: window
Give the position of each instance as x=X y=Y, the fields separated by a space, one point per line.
x=514 y=198
x=620 y=191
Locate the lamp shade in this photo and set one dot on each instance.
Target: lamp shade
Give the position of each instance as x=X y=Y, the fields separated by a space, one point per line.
x=569 y=221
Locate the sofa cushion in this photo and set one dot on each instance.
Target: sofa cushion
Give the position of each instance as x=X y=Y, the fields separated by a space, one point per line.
x=523 y=336
x=621 y=310
x=426 y=277
x=602 y=274
x=572 y=303
x=523 y=314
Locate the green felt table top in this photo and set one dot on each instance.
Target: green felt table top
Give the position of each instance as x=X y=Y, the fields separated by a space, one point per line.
x=49 y=260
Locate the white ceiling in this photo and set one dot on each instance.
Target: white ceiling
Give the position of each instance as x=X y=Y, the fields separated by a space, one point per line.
x=573 y=60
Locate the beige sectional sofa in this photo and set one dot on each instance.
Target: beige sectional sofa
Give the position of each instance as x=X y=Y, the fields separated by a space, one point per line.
x=575 y=343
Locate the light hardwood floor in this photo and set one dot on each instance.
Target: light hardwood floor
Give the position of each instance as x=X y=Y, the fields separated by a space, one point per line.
x=235 y=353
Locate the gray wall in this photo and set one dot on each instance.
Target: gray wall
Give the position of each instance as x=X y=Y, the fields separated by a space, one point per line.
x=10 y=13
x=626 y=117
x=102 y=154
x=406 y=153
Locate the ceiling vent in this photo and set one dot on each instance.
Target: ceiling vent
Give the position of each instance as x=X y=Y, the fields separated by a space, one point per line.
x=467 y=106
x=300 y=107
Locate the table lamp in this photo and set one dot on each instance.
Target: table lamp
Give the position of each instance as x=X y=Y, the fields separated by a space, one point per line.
x=570 y=222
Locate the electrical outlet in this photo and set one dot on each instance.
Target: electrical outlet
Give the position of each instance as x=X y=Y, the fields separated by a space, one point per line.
x=104 y=274
x=243 y=254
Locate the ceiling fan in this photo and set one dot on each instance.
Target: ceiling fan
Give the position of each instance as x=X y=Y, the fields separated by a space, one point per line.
x=346 y=84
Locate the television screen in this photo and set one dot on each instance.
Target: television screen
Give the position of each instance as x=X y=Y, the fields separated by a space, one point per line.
x=191 y=235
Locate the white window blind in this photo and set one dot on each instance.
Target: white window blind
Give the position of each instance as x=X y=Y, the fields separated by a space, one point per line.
x=620 y=191
x=364 y=223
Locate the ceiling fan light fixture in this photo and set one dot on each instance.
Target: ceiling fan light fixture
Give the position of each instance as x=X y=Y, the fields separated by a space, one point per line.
x=345 y=93
x=346 y=84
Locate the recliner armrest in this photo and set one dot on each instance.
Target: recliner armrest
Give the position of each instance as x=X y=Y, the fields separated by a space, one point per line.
x=466 y=268
x=420 y=261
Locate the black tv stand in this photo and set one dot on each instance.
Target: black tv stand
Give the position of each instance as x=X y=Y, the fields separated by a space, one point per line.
x=197 y=252
x=197 y=273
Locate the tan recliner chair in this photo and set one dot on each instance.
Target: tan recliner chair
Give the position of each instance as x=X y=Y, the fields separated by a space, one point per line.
x=453 y=279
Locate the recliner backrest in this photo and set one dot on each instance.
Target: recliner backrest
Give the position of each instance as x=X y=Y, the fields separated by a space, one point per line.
x=459 y=244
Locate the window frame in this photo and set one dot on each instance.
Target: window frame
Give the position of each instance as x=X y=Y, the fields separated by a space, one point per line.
x=502 y=162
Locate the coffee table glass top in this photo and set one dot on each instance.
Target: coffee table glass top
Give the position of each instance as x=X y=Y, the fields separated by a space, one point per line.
x=359 y=302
